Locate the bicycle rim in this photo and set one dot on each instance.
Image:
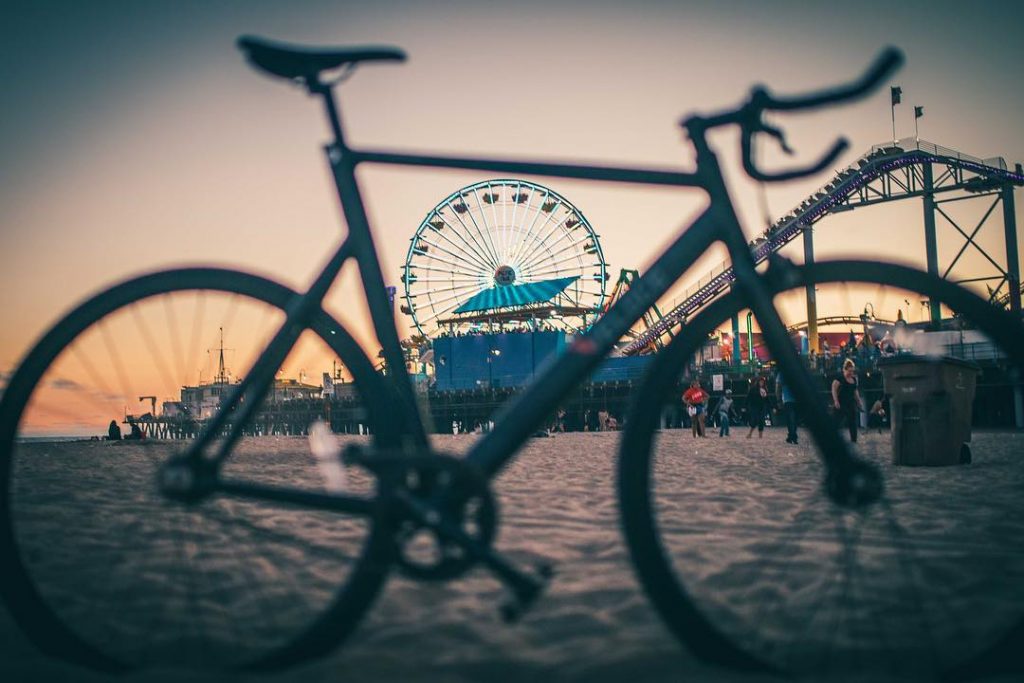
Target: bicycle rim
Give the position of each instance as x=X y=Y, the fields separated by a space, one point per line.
x=751 y=565
x=100 y=568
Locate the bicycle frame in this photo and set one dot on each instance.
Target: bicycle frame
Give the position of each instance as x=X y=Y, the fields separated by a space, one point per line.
x=520 y=418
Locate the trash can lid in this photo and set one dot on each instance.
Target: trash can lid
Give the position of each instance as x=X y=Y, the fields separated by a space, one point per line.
x=909 y=358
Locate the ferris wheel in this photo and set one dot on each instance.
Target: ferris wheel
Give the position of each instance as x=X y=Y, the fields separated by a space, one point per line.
x=503 y=249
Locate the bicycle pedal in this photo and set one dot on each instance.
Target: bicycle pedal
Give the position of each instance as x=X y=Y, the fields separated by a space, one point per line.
x=525 y=592
x=545 y=570
x=510 y=611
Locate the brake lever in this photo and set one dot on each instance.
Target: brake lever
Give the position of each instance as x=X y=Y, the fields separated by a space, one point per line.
x=779 y=136
x=752 y=123
x=827 y=160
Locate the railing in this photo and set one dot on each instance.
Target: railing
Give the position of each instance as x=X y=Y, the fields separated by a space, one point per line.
x=975 y=351
x=908 y=144
x=881 y=158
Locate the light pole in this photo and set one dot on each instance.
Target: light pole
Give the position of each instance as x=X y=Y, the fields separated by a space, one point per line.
x=864 y=317
x=491 y=355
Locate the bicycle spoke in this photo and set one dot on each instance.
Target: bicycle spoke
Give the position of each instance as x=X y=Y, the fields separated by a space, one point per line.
x=154 y=355
x=145 y=580
x=268 y=534
x=198 y=322
x=912 y=585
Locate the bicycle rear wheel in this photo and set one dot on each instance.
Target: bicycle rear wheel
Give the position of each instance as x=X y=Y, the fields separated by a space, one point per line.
x=753 y=567
x=102 y=570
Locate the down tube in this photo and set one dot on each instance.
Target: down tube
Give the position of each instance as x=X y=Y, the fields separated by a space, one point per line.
x=526 y=412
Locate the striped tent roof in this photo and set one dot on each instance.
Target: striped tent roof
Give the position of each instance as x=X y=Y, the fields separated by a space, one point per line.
x=516 y=295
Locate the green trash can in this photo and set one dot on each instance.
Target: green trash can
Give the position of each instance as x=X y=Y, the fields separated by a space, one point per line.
x=930 y=401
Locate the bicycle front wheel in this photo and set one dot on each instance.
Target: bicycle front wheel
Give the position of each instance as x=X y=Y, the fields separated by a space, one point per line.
x=751 y=564
x=99 y=568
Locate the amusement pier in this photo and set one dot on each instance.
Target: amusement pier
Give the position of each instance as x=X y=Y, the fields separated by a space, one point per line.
x=501 y=275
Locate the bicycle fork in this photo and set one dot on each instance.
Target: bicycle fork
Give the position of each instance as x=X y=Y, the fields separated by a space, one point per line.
x=849 y=480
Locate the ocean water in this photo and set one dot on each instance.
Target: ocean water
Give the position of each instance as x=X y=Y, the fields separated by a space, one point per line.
x=54 y=439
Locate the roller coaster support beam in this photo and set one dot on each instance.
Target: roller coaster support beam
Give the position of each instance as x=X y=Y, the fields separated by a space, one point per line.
x=812 y=299
x=1013 y=277
x=751 y=358
x=737 y=352
x=912 y=168
x=1012 y=262
x=930 y=241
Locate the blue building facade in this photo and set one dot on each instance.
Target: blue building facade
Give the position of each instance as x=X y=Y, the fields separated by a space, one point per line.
x=512 y=359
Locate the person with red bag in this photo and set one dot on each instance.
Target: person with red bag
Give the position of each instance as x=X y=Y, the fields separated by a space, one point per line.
x=695 y=399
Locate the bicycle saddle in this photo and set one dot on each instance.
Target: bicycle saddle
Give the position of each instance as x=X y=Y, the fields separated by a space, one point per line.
x=306 y=63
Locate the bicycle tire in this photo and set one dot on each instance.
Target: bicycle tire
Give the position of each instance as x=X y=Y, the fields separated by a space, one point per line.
x=698 y=601
x=44 y=595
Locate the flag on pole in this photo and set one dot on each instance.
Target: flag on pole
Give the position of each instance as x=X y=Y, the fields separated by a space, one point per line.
x=896 y=92
x=918 y=112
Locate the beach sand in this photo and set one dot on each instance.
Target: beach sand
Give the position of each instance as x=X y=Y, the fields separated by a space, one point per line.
x=558 y=503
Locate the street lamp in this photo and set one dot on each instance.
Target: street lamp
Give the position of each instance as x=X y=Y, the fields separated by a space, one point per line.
x=491 y=355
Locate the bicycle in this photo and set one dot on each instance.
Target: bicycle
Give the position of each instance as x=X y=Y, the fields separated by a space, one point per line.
x=175 y=527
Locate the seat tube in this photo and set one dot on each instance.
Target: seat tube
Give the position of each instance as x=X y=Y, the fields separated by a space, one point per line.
x=406 y=416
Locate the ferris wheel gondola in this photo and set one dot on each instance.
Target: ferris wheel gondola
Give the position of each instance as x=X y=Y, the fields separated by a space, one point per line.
x=508 y=248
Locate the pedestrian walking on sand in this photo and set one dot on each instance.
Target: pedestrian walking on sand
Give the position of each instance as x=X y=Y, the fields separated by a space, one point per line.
x=757 y=402
x=877 y=414
x=724 y=409
x=788 y=400
x=695 y=399
x=846 y=399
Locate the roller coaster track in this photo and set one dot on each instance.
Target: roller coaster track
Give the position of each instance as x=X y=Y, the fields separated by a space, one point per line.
x=885 y=173
x=1004 y=300
x=844 y=320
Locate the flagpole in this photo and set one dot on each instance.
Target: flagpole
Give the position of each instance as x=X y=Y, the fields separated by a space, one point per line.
x=895 y=95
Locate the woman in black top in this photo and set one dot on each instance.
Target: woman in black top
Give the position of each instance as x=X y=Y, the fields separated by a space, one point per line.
x=757 y=401
x=846 y=399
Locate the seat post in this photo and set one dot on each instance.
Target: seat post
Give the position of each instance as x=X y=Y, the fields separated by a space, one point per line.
x=316 y=87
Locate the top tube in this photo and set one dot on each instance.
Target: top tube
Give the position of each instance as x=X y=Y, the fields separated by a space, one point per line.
x=306 y=65
x=622 y=174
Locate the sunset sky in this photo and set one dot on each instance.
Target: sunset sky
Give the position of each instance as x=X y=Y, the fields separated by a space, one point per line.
x=133 y=136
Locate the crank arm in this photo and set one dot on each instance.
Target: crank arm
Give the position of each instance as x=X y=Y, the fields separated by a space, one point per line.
x=525 y=586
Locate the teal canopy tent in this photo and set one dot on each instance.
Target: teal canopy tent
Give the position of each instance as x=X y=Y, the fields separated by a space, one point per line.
x=516 y=295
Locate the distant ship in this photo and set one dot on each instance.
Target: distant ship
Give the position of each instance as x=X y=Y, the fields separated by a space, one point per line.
x=200 y=402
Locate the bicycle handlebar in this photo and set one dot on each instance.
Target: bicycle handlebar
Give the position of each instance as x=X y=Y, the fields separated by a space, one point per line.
x=886 y=63
x=750 y=116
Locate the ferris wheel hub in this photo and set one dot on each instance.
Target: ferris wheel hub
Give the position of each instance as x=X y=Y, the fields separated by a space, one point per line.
x=505 y=276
